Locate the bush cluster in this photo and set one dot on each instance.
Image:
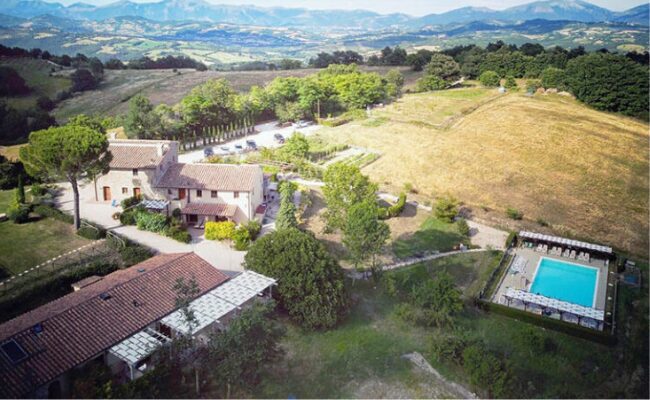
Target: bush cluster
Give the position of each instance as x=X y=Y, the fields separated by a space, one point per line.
x=152 y=222
x=513 y=213
x=18 y=212
x=223 y=230
x=394 y=210
x=446 y=208
x=92 y=232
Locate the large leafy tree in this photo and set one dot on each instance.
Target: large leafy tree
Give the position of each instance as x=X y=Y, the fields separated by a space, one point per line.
x=210 y=104
x=11 y=83
x=345 y=186
x=609 y=82
x=286 y=217
x=71 y=152
x=364 y=234
x=443 y=66
x=141 y=120
x=251 y=340
x=310 y=281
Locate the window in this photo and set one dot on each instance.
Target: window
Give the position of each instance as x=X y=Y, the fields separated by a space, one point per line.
x=235 y=195
x=125 y=190
x=214 y=194
x=135 y=172
x=199 y=193
x=169 y=191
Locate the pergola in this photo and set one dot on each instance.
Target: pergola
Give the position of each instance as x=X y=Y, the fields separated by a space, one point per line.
x=216 y=304
x=546 y=303
x=138 y=347
x=575 y=244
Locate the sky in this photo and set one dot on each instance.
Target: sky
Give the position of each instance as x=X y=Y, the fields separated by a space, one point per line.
x=413 y=7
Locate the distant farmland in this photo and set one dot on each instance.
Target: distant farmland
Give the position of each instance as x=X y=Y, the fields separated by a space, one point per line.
x=166 y=86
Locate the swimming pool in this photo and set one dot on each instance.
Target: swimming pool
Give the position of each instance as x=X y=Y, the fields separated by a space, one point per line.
x=566 y=281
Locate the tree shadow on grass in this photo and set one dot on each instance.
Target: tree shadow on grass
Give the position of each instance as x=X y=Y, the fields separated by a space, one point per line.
x=427 y=240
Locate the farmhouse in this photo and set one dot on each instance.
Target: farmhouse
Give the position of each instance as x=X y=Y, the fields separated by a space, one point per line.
x=119 y=320
x=203 y=192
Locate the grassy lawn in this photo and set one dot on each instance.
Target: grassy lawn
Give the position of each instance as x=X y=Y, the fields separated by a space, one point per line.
x=583 y=171
x=362 y=357
x=433 y=234
x=23 y=246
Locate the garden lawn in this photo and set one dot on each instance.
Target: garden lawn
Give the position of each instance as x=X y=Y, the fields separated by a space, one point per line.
x=362 y=356
x=23 y=246
x=432 y=235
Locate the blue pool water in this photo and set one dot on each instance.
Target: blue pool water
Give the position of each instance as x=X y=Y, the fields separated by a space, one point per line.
x=565 y=281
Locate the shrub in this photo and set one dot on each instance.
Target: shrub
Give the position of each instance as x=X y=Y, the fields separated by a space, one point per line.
x=513 y=213
x=219 y=230
x=17 y=212
x=152 y=222
x=128 y=217
x=408 y=187
x=130 y=201
x=446 y=208
x=485 y=370
x=45 y=103
x=463 y=228
x=511 y=83
x=38 y=190
x=179 y=234
x=406 y=312
x=241 y=238
x=254 y=228
x=449 y=347
x=91 y=232
x=51 y=212
x=176 y=214
x=394 y=210
x=489 y=79
x=542 y=222
x=133 y=254
x=532 y=85
x=510 y=239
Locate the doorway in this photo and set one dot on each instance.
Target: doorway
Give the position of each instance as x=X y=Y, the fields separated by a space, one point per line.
x=107 y=193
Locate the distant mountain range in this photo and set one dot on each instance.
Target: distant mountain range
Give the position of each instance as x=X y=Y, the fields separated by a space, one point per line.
x=200 y=10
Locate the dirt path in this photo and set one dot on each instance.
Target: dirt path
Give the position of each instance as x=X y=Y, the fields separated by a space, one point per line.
x=453 y=388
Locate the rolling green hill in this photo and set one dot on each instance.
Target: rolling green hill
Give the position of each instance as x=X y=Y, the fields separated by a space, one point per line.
x=39 y=77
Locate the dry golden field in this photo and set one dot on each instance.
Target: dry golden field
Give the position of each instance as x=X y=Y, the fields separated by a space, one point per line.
x=583 y=171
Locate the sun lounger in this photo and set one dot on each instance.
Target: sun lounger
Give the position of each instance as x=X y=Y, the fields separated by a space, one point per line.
x=587 y=257
x=573 y=254
x=566 y=253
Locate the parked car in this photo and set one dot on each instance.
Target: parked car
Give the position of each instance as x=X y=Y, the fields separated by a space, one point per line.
x=238 y=147
x=251 y=145
x=278 y=138
x=208 y=152
x=301 y=124
x=225 y=148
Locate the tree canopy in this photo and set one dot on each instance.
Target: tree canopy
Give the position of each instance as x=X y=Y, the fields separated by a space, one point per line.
x=345 y=186
x=310 y=281
x=71 y=152
x=609 y=82
x=364 y=235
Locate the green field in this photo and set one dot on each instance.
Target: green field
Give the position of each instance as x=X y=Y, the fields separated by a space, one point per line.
x=36 y=74
x=23 y=246
x=433 y=234
x=362 y=357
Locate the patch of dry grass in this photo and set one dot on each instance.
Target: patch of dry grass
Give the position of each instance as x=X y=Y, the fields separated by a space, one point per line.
x=583 y=171
x=11 y=152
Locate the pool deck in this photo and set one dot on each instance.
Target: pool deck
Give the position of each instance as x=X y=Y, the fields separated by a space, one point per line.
x=523 y=280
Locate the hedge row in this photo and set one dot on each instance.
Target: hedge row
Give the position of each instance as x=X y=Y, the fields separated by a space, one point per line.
x=49 y=289
x=545 y=322
x=394 y=210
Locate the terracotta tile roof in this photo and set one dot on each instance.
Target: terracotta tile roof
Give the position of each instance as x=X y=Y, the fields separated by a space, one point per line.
x=79 y=326
x=228 y=177
x=220 y=210
x=130 y=156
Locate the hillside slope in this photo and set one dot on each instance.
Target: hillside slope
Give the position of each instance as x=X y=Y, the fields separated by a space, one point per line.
x=38 y=77
x=585 y=172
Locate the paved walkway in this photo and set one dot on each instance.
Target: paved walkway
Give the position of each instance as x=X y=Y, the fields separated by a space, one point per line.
x=216 y=253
